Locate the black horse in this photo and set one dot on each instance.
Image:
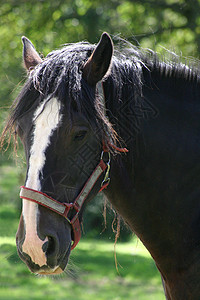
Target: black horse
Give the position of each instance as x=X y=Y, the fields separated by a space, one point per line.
x=79 y=108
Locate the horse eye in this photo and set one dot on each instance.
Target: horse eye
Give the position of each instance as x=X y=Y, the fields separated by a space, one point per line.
x=18 y=130
x=80 y=135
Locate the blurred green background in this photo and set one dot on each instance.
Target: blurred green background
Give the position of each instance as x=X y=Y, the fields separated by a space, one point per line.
x=155 y=24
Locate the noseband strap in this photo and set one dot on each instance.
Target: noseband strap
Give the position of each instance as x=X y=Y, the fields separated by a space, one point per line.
x=74 y=208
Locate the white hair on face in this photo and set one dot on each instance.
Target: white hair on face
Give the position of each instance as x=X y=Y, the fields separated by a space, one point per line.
x=46 y=120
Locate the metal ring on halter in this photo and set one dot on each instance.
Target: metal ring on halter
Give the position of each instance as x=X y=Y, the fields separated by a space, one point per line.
x=106 y=179
x=104 y=153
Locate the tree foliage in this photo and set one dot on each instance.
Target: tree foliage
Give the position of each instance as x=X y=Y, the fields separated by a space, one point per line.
x=174 y=24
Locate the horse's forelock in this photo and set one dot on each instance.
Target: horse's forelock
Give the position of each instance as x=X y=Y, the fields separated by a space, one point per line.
x=60 y=75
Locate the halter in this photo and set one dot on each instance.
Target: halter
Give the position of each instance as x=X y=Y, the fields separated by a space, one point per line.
x=73 y=209
x=64 y=209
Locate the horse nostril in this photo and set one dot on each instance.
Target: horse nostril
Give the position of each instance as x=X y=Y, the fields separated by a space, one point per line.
x=45 y=246
x=50 y=246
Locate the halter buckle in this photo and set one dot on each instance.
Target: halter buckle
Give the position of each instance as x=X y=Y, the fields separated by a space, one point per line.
x=68 y=207
x=103 y=153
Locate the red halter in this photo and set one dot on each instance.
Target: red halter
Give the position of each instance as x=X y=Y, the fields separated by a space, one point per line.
x=63 y=209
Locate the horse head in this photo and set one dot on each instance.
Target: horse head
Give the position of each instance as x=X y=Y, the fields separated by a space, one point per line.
x=60 y=120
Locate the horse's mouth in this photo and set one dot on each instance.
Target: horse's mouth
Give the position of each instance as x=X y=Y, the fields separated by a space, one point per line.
x=55 y=271
x=47 y=270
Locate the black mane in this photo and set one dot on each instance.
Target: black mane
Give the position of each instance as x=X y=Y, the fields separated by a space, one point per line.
x=60 y=74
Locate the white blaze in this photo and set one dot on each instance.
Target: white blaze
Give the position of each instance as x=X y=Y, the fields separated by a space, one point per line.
x=46 y=119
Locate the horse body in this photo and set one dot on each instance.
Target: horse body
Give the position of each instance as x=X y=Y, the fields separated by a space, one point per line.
x=159 y=197
x=174 y=187
x=154 y=108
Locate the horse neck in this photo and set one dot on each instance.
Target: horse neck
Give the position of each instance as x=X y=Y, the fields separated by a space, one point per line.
x=154 y=185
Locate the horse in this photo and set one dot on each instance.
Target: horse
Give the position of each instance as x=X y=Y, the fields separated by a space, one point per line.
x=118 y=119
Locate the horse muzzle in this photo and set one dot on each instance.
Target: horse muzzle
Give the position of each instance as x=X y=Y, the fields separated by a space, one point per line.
x=48 y=251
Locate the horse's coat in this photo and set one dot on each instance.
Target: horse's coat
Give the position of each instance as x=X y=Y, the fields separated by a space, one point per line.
x=154 y=107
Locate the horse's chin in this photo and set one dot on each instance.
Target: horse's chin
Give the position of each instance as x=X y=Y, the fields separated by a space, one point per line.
x=55 y=271
x=47 y=270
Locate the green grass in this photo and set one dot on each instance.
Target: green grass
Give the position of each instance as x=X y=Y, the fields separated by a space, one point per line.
x=91 y=273
x=9 y=182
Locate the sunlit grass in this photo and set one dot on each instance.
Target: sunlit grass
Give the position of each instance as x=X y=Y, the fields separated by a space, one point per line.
x=91 y=273
x=9 y=185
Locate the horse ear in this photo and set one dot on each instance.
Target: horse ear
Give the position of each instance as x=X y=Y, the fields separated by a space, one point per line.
x=30 y=56
x=98 y=63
